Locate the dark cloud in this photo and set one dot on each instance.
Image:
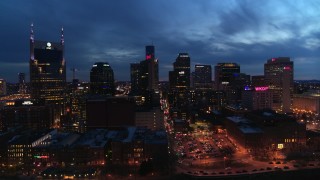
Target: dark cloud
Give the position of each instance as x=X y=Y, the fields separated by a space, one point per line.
x=246 y=32
x=240 y=18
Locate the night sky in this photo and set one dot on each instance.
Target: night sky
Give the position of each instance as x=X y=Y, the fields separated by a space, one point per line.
x=211 y=31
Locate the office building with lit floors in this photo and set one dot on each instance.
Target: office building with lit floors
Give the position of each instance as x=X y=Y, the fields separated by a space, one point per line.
x=150 y=118
x=179 y=80
x=224 y=73
x=307 y=102
x=278 y=74
x=266 y=134
x=202 y=77
x=102 y=79
x=144 y=78
x=48 y=72
x=22 y=83
x=135 y=78
x=20 y=148
x=151 y=68
x=255 y=98
x=132 y=146
x=30 y=114
x=258 y=80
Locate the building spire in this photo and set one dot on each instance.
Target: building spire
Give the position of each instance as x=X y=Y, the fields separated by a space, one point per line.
x=62 y=37
x=31 y=33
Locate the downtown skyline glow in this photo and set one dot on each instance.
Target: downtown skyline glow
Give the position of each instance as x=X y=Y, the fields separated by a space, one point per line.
x=246 y=32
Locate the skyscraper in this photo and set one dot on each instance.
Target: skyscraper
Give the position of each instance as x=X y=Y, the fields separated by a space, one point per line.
x=258 y=80
x=224 y=73
x=47 y=70
x=145 y=79
x=202 y=77
x=278 y=74
x=135 y=77
x=150 y=69
x=256 y=97
x=180 y=76
x=150 y=52
x=22 y=83
x=102 y=79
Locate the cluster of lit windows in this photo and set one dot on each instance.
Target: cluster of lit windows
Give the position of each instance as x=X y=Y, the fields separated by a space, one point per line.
x=15 y=150
x=138 y=152
x=19 y=146
x=290 y=140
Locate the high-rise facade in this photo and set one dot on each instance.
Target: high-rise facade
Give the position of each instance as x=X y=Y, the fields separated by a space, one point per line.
x=22 y=83
x=27 y=113
x=145 y=79
x=48 y=70
x=150 y=69
x=150 y=52
x=179 y=80
x=256 y=98
x=135 y=77
x=145 y=75
x=180 y=76
x=278 y=74
x=224 y=73
x=202 y=77
x=102 y=79
x=258 y=80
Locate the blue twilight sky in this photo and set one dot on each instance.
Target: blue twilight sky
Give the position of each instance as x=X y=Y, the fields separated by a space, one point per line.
x=247 y=32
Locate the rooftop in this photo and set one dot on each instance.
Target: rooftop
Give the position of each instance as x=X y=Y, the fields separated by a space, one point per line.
x=245 y=125
x=94 y=138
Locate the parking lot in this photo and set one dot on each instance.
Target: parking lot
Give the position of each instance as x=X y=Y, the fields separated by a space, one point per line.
x=203 y=147
x=205 y=152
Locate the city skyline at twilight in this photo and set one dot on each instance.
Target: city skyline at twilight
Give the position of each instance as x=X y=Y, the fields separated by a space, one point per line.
x=244 y=32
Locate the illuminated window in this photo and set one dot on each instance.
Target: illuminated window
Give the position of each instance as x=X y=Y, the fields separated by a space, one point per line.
x=280 y=146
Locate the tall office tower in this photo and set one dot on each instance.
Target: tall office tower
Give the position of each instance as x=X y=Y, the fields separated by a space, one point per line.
x=234 y=90
x=255 y=98
x=102 y=79
x=135 y=77
x=150 y=69
x=180 y=76
x=202 y=77
x=3 y=87
x=278 y=74
x=224 y=73
x=150 y=52
x=48 y=72
x=258 y=80
x=145 y=75
x=145 y=79
x=22 y=83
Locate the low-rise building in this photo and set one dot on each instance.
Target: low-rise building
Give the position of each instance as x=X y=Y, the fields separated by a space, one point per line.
x=20 y=147
x=150 y=118
x=27 y=113
x=307 y=102
x=133 y=145
x=264 y=132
